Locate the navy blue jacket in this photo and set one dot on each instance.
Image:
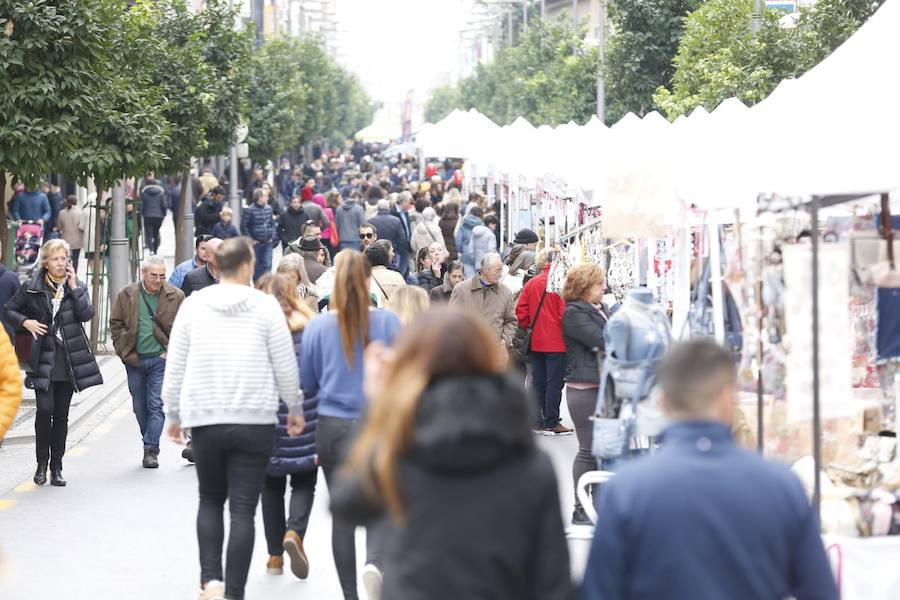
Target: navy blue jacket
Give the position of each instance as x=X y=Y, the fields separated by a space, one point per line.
x=224 y=232
x=258 y=224
x=294 y=454
x=390 y=228
x=31 y=206
x=705 y=520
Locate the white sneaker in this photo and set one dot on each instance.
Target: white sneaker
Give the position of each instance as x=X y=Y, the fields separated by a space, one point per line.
x=371 y=579
x=213 y=590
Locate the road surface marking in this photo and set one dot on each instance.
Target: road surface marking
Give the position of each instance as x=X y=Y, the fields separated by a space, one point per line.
x=103 y=428
x=26 y=486
x=77 y=451
x=7 y=504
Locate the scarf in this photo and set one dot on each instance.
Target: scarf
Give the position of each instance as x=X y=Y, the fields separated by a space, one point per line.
x=59 y=288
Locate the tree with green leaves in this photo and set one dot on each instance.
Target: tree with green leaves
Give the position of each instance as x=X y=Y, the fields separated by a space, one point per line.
x=276 y=99
x=639 y=55
x=720 y=58
x=827 y=24
x=549 y=78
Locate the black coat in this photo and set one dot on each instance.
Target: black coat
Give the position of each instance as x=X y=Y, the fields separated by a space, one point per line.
x=32 y=301
x=153 y=200
x=289 y=224
x=583 y=332
x=427 y=280
x=206 y=216
x=9 y=284
x=197 y=279
x=390 y=228
x=481 y=502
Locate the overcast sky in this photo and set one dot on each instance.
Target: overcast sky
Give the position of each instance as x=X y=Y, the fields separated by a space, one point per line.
x=395 y=45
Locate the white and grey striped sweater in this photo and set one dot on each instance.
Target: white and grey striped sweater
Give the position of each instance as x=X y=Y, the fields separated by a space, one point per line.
x=230 y=359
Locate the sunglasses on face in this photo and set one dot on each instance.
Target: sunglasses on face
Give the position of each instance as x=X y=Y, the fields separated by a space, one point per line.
x=366 y=236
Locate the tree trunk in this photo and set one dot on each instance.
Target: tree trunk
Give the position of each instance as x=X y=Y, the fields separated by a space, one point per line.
x=96 y=268
x=4 y=232
x=179 y=225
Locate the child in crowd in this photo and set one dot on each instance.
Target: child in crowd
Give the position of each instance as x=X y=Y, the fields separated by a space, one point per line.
x=224 y=229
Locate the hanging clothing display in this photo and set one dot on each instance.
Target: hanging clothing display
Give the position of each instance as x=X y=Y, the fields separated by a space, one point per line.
x=620 y=272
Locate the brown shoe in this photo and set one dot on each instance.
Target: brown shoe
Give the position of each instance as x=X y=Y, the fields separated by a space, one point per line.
x=558 y=429
x=275 y=565
x=293 y=545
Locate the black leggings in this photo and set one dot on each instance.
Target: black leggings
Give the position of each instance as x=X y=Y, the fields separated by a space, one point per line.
x=303 y=489
x=582 y=404
x=151 y=232
x=51 y=423
x=334 y=437
x=231 y=463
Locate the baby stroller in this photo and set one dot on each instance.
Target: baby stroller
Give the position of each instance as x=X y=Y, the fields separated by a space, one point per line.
x=29 y=238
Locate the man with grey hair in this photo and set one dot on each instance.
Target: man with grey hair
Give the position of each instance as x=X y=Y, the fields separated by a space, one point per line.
x=140 y=323
x=703 y=519
x=390 y=228
x=205 y=275
x=484 y=295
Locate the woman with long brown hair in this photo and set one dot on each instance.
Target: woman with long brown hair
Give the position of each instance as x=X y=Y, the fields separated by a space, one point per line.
x=448 y=452
x=331 y=369
x=291 y=455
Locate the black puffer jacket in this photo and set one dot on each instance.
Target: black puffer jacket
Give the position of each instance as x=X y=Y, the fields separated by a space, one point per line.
x=32 y=301
x=153 y=200
x=482 y=512
x=206 y=216
x=583 y=326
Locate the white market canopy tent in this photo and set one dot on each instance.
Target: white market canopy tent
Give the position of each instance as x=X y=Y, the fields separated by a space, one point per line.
x=831 y=131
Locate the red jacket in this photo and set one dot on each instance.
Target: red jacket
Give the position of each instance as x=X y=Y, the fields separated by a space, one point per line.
x=547 y=334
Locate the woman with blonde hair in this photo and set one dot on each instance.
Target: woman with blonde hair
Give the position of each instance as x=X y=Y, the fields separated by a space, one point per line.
x=294 y=456
x=583 y=322
x=448 y=453
x=408 y=303
x=52 y=307
x=293 y=266
x=331 y=369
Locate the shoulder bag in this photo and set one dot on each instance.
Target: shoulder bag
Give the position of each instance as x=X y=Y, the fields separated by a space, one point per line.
x=522 y=340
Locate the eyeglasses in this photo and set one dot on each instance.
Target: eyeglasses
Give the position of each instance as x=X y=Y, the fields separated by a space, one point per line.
x=366 y=236
x=155 y=277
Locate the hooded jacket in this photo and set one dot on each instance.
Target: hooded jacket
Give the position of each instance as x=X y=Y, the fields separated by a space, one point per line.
x=471 y=447
x=348 y=218
x=427 y=232
x=463 y=242
x=237 y=387
x=32 y=301
x=289 y=224
x=153 y=200
x=295 y=454
x=483 y=242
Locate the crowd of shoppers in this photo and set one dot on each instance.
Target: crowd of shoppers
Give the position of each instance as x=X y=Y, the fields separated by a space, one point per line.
x=382 y=349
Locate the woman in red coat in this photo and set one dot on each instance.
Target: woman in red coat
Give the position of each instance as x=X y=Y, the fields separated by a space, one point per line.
x=543 y=311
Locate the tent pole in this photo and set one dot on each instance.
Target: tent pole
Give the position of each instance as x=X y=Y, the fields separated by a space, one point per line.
x=817 y=428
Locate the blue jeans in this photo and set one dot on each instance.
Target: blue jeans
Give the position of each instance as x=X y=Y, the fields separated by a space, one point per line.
x=548 y=372
x=263 y=259
x=145 y=383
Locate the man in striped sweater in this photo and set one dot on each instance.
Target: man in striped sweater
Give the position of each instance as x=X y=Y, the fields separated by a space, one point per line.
x=230 y=403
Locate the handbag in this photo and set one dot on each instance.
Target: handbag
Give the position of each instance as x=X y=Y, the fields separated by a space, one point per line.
x=333 y=238
x=153 y=316
x=522 y=340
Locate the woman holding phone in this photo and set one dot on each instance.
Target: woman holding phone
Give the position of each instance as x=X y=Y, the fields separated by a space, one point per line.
x=52 y=307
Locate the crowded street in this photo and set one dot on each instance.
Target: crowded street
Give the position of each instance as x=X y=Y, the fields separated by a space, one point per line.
x=449 y=300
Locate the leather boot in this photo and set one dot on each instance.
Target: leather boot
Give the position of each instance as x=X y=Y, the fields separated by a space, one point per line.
x=56 y=478
x=40 y=476
x=150 y=460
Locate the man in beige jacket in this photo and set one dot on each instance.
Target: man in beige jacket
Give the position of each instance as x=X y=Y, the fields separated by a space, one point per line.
x=486 y=296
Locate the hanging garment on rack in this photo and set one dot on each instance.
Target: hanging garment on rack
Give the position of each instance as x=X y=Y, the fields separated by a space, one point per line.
x=620 y=274
x=888 y=336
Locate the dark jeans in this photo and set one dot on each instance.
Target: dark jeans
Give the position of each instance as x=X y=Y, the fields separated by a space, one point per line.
x=303 y=489
x=51 y=422
x=263 y=259
x=145 y=384
x=333 y=440
x=548 y=370
x=76 y=253
x=151 y=231
x=581 y=406
x=231 y=464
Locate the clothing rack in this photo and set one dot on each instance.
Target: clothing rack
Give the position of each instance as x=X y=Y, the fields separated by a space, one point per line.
x=579 y=230
x=813 y=204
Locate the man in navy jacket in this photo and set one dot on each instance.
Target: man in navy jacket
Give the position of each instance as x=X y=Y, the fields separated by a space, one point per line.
x=703 y=519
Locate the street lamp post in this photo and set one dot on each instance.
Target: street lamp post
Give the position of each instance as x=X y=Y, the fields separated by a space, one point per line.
x=601 y=82
x=119 y=275
x=756 y=17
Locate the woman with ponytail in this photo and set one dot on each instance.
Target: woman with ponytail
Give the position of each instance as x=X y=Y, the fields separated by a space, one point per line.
x=331 y=369
x=447 y=452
